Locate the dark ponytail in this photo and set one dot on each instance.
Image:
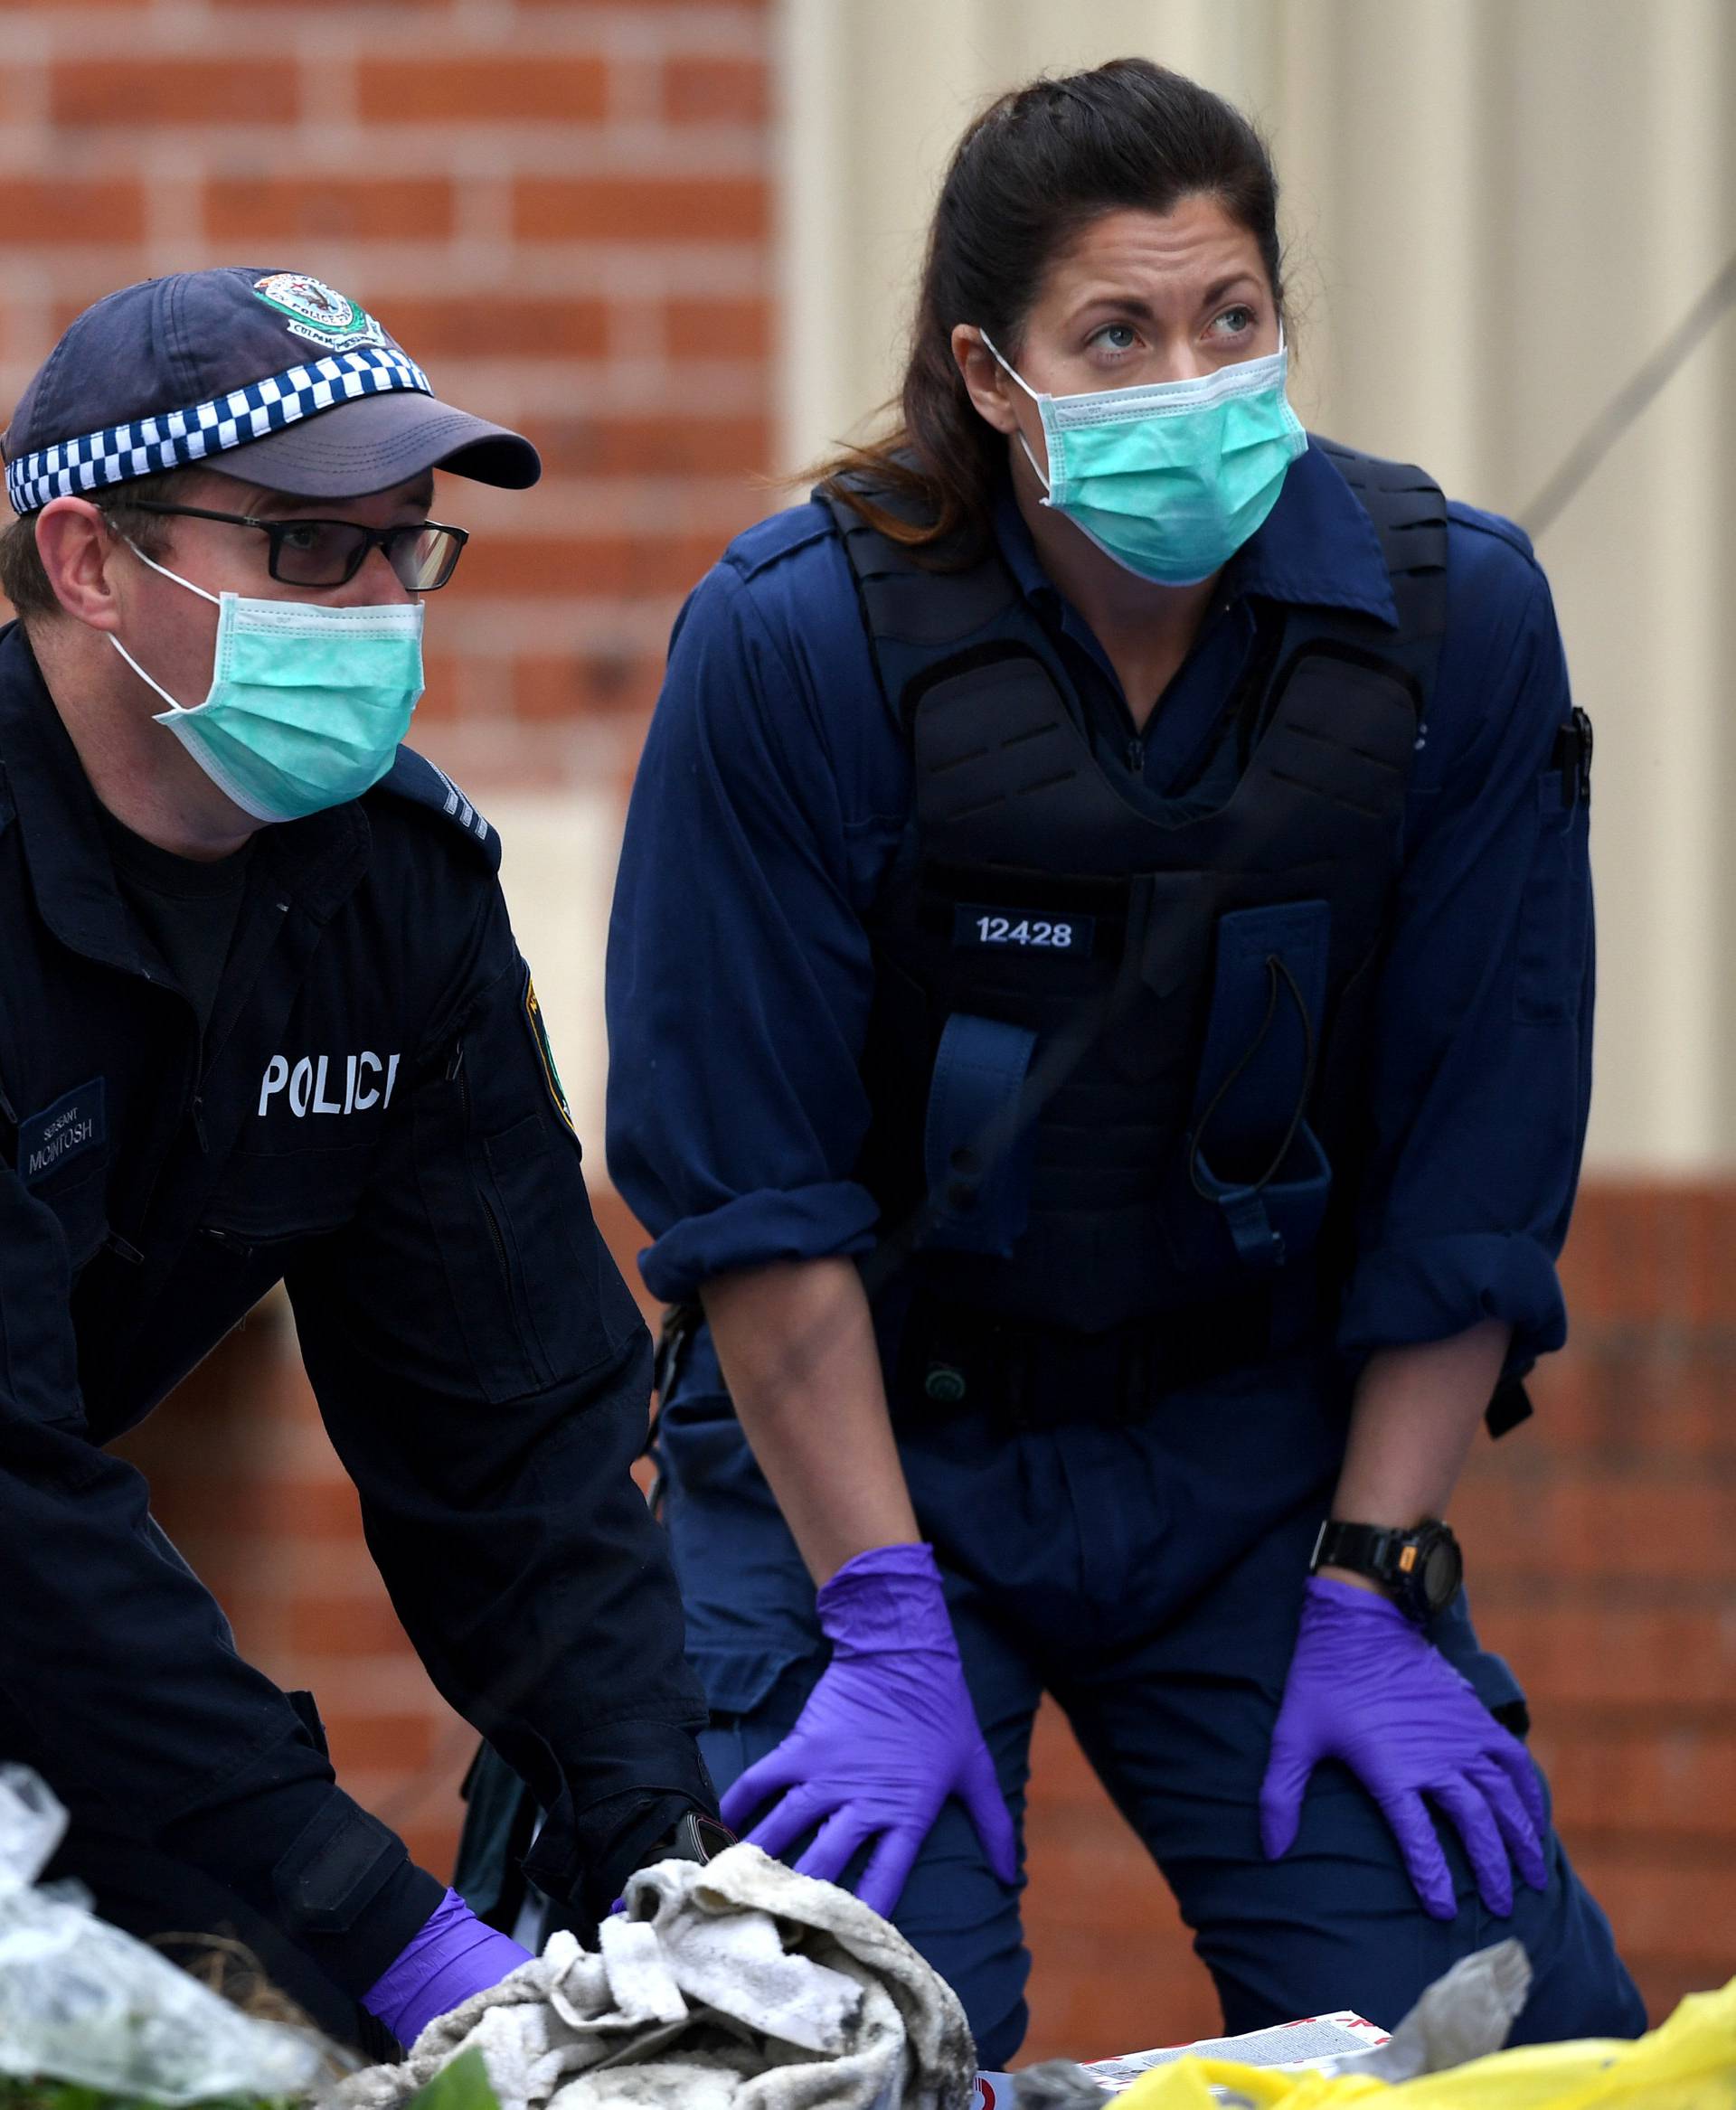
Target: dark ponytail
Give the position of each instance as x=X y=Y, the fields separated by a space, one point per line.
x=1038 y=165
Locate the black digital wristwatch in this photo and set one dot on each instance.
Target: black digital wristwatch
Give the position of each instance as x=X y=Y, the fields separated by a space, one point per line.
x=697 y=1838
x=1420 y=1569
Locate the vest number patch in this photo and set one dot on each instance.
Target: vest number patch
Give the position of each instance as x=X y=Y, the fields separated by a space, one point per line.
x=979 y=928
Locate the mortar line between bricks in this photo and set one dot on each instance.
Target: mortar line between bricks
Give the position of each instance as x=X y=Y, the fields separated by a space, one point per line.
x=382 y=266
x=325 y=63
x=1643 y=1596
x=1636 y=1844
x=605 y=393
x=560 y=28
x=1713 y=1720
x=700 y=32
x=564 y=625
x=669 y=490
x=609 y=392
x=537 y=149
x=33 y=120
x=488 y=21
x=33 y=41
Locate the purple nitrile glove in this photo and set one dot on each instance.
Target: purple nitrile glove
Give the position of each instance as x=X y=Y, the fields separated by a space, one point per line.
x=887 y=1735
x=1366 y=1688
x=454 y=1956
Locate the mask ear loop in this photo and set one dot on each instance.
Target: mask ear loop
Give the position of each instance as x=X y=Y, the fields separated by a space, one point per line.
x=149 y=680
x=216 y=599
x=1007 y=367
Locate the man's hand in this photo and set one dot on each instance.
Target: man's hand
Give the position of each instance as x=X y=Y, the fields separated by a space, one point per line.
x=887 y=1735
x=454 y=1956
x=1366 y=1688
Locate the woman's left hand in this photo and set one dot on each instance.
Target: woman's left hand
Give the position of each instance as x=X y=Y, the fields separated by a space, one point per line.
x=1365 y=1687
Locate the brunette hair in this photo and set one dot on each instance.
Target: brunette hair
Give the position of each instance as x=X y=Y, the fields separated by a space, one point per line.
x=1035 y=167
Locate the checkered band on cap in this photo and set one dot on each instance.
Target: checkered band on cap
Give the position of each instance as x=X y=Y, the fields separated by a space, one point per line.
x=175 y=438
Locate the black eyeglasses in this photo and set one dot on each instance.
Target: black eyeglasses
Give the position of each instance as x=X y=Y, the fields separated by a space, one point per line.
x=330 y=552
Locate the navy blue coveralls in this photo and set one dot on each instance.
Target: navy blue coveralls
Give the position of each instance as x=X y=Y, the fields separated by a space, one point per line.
x=1145 y=1571
x=369 y=1116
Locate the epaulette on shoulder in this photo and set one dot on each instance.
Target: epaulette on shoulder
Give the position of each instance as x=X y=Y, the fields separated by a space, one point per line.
x=1492 y=523
x=778 y=536
x=414 y=778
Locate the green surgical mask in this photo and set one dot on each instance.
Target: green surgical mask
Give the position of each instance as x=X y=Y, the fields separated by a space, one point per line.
x=307 y=704
x=1171 y=478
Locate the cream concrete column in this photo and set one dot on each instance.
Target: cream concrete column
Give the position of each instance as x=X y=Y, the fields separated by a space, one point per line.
x=1497 y=209
x=557 y=856
x=1676 y=554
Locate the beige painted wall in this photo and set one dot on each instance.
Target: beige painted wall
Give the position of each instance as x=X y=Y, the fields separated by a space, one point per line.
x=558 y=856
x=1496 y=209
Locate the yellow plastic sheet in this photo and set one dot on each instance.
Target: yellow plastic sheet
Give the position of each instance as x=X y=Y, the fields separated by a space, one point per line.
x=1687 y=2064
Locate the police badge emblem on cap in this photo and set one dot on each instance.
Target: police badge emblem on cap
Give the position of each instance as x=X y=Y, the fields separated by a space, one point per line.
x=318 y=312
x=272 y=377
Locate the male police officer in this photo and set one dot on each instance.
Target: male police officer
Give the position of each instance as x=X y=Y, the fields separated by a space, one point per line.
x=263 y=1018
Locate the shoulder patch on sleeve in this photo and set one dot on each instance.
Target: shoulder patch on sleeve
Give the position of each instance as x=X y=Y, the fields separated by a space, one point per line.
x=414 y=778
x=544 y=1053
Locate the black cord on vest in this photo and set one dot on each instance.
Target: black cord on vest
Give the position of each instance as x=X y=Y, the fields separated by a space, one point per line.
x=1276 y=966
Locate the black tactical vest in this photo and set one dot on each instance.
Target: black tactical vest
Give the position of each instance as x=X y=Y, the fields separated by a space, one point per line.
x=1116 y=1061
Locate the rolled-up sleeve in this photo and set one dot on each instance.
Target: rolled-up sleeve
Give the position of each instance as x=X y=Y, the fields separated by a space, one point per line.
x=1481 y=1078
x=739 y=972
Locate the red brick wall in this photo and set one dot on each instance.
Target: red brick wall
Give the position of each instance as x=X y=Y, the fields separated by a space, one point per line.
x=562 y=210
x=1602 y=1546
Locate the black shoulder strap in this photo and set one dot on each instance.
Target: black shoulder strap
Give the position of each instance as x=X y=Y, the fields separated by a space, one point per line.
x=1408 y=510
x=917 y=615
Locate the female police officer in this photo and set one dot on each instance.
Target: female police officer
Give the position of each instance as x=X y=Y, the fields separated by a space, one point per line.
x=1099 y=994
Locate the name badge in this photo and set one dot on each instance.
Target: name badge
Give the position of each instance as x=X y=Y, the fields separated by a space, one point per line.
x=74 y=1124
x=997 y=929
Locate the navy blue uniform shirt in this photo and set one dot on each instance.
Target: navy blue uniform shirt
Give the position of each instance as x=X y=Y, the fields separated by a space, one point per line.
x=367 y=1115
x=776 y=785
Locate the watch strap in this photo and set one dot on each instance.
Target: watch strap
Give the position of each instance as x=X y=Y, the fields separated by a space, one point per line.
x=1377 y=1550
x=1404 y=1563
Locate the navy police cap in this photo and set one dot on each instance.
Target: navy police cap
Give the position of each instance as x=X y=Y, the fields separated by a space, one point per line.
x=269 y=376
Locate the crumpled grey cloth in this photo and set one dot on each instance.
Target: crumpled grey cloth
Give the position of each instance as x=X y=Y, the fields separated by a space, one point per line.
x=734 y=1985
x=1467 y=2013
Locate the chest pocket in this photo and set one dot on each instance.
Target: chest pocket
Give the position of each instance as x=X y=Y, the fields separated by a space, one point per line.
x=535 y=1296
x=265 y=1195
x=79 y=1200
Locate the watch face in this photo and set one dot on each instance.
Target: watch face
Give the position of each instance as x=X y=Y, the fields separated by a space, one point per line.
x=1442 y=1569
